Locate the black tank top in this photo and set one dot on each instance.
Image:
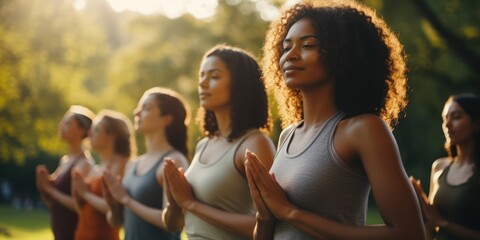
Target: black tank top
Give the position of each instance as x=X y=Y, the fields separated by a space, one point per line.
x=458 y=203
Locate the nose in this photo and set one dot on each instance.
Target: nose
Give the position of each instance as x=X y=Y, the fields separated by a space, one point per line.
x=136 y=111
x=203 y=82
x=292 y=54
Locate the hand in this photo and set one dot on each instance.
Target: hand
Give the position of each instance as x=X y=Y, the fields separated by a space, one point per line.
x=42 y=178
x=263 y=213
x=111 y=202
x=270 y=191
x=178 y=185
x=171 y=201
x=431 y=216
x=417 y=186
x=79 y=185
x=116 y=188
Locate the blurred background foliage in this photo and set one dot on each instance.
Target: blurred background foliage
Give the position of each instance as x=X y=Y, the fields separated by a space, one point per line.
x=52 y=56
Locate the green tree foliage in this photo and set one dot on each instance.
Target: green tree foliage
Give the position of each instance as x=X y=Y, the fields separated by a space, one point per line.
x=51 y=56
x=442 y=43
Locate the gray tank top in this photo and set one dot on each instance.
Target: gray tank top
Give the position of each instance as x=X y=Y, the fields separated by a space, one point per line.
x=318 y=181
x=146 y=190
x=219 y=185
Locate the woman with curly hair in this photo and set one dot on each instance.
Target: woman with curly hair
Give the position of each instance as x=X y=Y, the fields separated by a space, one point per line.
x=338 y=73
x=452 y=209
x=213 y=194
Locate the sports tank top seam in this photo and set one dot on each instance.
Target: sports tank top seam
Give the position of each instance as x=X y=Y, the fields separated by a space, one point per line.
x=155 y=166
x=443 y=178
x=289 y=139
x=234 y=147
x=294 y=126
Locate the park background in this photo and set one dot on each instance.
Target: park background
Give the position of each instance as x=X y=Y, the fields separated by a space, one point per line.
x=106 y=53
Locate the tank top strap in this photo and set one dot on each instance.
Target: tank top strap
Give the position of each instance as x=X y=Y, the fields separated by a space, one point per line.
x=157 y=164
x=443 y=176
x=244 y=137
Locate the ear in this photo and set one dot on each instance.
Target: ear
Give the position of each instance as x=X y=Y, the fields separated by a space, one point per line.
x=167 y=119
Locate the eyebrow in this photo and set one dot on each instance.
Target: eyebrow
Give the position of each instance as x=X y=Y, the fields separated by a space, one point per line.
x=212 y=70
x=301 y=38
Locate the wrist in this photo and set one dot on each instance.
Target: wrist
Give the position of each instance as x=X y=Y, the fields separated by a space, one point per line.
x=290 y=214
x=189 y=205
x=126 y=201
x=263 y=218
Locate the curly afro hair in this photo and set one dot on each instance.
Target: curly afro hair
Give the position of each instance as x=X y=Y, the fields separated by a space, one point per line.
x=365 y=58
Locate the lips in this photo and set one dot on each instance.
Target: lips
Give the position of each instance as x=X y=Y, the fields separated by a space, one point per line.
x=204 y=95
x=292 y=69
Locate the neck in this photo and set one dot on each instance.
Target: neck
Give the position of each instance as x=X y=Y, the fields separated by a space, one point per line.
x=223 y=121
x=318 y=105
x=157 y=143
x=465 y=152
x=107 y=156
x=75 y=148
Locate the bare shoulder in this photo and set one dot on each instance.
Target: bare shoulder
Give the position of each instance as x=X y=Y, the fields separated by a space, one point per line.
x=257 y=138
x=63 y=160
x=440 y=164
x=364 y=123
x=259 y=143
x=179 y=159
x=366 y=126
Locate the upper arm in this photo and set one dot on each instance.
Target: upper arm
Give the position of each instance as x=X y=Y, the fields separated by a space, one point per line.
x=376 y=146
x=84 y=167
x=437 y=168
x=261 y=145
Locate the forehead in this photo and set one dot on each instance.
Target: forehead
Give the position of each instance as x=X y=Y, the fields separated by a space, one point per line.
x=147 y=100
x=213 y=63
x=99 y=122
x=452 y=107
x=69 y=117
x=300 y=28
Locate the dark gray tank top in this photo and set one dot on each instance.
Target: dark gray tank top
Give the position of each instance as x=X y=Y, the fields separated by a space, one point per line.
x=318 y=181
x=458 y=203
x=146 y=190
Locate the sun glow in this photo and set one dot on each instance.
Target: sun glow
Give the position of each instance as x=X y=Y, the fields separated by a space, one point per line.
x=200 y=9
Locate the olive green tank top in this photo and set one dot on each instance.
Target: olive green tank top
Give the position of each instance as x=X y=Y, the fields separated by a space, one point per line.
x=220 y=185
x=458 y=203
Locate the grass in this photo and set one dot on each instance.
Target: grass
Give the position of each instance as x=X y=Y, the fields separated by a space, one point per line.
x=35 y=224
x=24 y=225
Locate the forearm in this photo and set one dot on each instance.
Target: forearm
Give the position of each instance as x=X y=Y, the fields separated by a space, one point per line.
x=45 y=198
x=460 y=231
x=63 y=199
x=264 y=229
x=149 y=214
x=240 y=224
x=173 y=218
x=323 y=228
x=97 y=202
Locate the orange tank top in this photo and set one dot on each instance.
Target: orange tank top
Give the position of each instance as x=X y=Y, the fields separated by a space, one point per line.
x=92 y=224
